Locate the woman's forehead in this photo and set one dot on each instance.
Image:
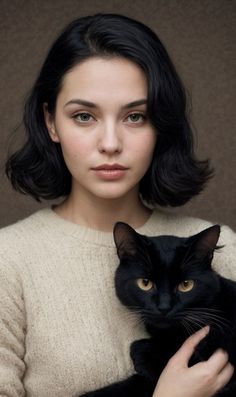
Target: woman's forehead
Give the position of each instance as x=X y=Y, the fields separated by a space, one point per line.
x=99 y=79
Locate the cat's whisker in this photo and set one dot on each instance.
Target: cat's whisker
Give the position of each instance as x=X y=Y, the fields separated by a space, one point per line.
x=213 y=317
x=193 y=323
x=203 y=318
x=218 y=319
x=213 y=312
x=135 y=317
x=204 y=311
x=194 y=318
x=188 y=327
x=196 y=321
x=141 y=315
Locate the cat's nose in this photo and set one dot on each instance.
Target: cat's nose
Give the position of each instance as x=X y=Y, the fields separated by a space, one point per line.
x=164 y=306
x=164 y=309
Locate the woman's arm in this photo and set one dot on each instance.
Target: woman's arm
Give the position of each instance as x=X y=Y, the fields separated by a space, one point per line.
x=12 y=332
x=201 y=380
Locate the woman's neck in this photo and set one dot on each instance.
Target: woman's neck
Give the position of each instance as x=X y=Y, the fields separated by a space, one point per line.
x=102 y=214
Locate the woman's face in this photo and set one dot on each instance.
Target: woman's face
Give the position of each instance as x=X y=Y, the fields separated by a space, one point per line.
x=101 y=124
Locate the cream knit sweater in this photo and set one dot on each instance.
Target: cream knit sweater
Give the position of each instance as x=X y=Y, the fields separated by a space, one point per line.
x=62 y=329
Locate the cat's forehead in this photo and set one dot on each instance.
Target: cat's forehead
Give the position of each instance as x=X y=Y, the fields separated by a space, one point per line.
x=168 y=243
x=168 y=249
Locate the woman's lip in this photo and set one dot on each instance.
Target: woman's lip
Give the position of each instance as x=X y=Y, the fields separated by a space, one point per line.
x=109 y=167
x=110 y=174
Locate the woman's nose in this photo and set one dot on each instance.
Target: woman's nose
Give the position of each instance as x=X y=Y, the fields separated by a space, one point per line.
x=110 y=139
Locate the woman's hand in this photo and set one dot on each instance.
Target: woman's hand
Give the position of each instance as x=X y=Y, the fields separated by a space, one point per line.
x=201 y=380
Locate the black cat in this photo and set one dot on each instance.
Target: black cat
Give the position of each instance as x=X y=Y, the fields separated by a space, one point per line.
x=169 y=281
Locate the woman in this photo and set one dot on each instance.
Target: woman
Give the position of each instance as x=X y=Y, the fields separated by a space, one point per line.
x=107 y=130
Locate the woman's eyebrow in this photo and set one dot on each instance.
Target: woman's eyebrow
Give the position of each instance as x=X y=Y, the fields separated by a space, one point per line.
x=94 y=105
x=135 y=103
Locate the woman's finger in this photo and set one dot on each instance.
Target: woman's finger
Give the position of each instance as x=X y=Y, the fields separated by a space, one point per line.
x=184 y=354
x=218 y=360
x=225 y=376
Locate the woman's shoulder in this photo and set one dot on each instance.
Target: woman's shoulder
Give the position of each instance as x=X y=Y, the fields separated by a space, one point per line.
x=17 y=237
x=25 y=226
x=170 y=222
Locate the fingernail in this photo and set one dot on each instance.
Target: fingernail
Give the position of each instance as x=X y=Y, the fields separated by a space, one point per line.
x=206 y=329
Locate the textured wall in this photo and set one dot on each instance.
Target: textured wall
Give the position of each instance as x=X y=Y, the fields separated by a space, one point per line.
x=200 y=37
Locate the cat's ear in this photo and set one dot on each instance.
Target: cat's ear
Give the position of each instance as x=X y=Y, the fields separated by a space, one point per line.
x=125 y=238
x=205 y=242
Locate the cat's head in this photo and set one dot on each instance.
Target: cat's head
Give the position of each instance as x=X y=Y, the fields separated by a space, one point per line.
x=167 y=279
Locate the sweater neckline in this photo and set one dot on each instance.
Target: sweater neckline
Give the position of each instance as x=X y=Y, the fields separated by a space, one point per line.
x=53 y=221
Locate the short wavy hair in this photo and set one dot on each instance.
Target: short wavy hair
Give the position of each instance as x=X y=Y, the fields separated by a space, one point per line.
x=174 y=176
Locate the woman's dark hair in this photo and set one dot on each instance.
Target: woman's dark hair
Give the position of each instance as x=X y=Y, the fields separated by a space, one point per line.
x=175 y=175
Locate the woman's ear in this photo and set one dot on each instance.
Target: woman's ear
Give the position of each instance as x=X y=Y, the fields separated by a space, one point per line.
x=49 y=121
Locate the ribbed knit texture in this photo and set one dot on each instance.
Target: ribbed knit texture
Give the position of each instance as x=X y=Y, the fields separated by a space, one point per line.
x=62 y=329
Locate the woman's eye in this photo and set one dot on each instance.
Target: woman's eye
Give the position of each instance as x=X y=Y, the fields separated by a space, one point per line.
x=136 y=117
x=83 y=117
x=186 y=285
x=145 y=284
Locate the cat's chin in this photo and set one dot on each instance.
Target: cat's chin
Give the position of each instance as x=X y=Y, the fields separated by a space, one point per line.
x=162 y=324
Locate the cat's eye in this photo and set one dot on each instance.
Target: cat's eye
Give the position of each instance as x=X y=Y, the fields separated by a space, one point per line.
x=145 y=284
x=186 y=286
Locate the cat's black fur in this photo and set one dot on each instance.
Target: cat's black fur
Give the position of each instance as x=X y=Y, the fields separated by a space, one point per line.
x=169 y=314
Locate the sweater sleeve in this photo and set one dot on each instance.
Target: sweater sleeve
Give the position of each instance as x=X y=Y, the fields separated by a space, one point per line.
x=225 y=257
x=12 y=332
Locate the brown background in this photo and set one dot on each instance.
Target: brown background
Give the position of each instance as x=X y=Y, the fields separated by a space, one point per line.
x=200 y=37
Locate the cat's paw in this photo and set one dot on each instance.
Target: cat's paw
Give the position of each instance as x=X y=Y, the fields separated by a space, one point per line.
x=141 y=352
x=140 y=349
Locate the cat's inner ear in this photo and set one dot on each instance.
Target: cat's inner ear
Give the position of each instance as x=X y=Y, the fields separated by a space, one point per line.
x=207 y=240
x=125 y=238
